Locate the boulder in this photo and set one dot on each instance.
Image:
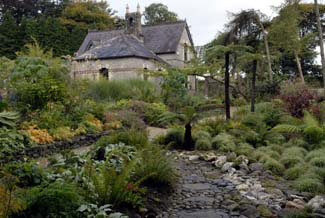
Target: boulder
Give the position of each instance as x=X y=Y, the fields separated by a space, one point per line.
x=256 y=167
x=227 y=166
x=193 y=157
x=317 y=202
x=220 y=161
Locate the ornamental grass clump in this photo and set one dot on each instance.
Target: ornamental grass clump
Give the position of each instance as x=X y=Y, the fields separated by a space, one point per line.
x=296 y=171
x=203 y=144
x=224 y=143
x=309 y=183
x=292 y=156
x=274 y=166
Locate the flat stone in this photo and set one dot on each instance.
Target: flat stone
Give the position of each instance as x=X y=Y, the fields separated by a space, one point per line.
x=197 y=186
x=200 y=199
x=250 y=211
x=203 y=214
x=294 y=205
x=242 y=187
x=193 y=157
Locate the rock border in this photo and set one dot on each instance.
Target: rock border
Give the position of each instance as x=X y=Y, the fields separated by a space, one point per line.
x=48 y=149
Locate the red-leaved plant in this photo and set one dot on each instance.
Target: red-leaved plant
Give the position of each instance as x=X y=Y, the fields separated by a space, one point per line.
x=296 y=98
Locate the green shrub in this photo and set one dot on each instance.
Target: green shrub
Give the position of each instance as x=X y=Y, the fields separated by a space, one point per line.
x=272 y=117
x=201 y=135
x=142 y=90
x=295 y=172
x=244 y=149
x=213 y=126
x=113 y=186
x=274 y=166
x=174 y=92
x=318 y=162
x=290 y=160
x=309 y=183
x=12 y=141
x=104 y=90
x=296 y=142
x=307 y=212
x=319 y=153
x=224 y=142
x=277 y=148
x=130 y=137
x=313 y=134
x=175 y=138
x=8 y=119
x=203 y=144
x=29 y=174
x=262 y=152
x=254 y=121
x=292 y=156
x=56 y=200
x=166 y=119
x=155 y=168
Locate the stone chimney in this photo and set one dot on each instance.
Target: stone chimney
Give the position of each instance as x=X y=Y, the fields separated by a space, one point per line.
x=133 y=22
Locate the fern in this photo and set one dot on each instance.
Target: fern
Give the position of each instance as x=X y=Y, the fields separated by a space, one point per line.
x=286 y=128
x=310 y=120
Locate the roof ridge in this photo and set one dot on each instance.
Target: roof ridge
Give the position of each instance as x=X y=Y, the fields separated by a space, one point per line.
x=165 y=23
x=143 y=25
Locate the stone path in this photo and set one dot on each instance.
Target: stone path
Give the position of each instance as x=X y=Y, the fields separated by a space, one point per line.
x=154 y=132
x=206 y=190
x=199 y=193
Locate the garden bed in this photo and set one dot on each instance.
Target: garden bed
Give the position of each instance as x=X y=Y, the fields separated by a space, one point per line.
x=48 y=149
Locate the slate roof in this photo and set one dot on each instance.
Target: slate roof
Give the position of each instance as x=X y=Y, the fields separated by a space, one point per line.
x=158 y=39
x=123 y=45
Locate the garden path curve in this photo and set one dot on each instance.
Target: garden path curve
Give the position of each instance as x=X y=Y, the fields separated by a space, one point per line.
x=206 y=191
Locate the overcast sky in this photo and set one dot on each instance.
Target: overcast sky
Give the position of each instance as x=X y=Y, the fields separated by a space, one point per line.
x=205 y=17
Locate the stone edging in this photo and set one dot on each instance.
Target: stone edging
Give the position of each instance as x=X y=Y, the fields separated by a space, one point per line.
x=47 y=149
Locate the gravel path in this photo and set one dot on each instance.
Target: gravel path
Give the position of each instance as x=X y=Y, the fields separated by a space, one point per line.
x=214 y=189
x=199 y=193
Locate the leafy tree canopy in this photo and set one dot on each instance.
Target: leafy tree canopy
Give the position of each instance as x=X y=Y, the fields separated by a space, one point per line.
x=157 y=13
x=88 y=15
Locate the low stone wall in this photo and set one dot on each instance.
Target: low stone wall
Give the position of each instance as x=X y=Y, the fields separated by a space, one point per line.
x=56 y=147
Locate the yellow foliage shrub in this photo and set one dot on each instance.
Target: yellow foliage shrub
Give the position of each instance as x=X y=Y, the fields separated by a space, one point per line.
x=113 y=125
x=40 y=136
x=92 y=120
x=63 y=133
x=80 y=130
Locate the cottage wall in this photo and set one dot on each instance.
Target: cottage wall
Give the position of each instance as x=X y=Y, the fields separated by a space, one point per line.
x=178 y=59
x=122 y=68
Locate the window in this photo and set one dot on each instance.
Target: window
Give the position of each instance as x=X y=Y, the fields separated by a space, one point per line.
x=104 y=72
x=185 y=52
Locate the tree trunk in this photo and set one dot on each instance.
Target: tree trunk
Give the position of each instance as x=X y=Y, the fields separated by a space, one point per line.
x=253 y=88
x=234 y=67
x=188 y=140
x=227 y=84
x=267 y=49
x=321 y=42
x=301 y=75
